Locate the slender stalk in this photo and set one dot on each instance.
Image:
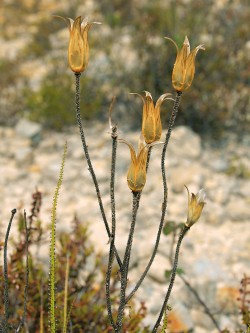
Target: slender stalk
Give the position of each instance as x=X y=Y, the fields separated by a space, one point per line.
x=148 y=157
x=172 y=278
x=125 y=265
x=26 y=274
x=113 y=229
x=5 y=274
x=52 y=249
x=165 y=195
x=91 y=170
x=65 y=307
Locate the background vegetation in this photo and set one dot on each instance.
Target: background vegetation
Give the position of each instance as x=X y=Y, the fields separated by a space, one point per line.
x=128 y=54
x=86 y=280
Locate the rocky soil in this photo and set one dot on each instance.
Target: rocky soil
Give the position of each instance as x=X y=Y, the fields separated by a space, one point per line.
x=215 y=253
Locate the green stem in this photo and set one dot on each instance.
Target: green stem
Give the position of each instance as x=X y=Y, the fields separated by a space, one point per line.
x=172 y=278
x=52 y=250
x=91 y=170
x=65 y=305
x=165 y=195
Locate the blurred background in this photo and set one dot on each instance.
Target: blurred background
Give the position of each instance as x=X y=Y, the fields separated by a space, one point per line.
x=209 y=147
x=127 y=54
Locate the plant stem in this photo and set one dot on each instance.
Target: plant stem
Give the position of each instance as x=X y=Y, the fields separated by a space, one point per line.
x=125 y=265
x=91 y=170
x=65 y=302
x=112 y=239
x=148 y=157
x=26 y=274
x=172 y=278
x=5 y=274
x=165 y=194
x=52 y=249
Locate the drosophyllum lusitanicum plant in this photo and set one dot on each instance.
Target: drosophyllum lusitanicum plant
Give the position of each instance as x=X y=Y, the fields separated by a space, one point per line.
x=182 y=77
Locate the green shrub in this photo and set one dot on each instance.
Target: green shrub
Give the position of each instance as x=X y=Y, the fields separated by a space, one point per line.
x=53 y=104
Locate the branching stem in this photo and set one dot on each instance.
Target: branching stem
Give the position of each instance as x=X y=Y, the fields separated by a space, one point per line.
x=112 y=238
x=165 y=194
x=91 y=170
x=125 y=264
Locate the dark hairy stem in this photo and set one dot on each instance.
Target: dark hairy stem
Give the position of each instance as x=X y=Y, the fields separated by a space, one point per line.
x=165 y=194
x=26 y=275
x=125 y=265
x=91 y=170
x=148 y=157
x=172 y=278
x=5 y=273
x=113 y=228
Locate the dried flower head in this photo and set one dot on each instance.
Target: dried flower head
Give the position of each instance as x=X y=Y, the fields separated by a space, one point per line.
x=78 y=50
x=151 y=118
x=184 y=67
x=136 y=176
x=195 y=206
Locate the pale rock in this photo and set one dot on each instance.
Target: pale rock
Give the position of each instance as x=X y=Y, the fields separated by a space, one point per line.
x=35 y=77
x=211 y=251
x=11 y=174
x=11 y=48
x=199 y=329
x=214 y=213
x=102 y=172
x=212 y=269
x=221 y=194
x=227 y=323
x=203 y=323
x=227 y=297
x=23 y=156
x=185 y=175
x=179 y=318
x=7 y=133
x=158 y=268
x=184 y=143
x=29 y=129
x=177 y=206
x=153 y=298
x=242 y=189
x=219 y=164
x=206 y=291
x=12 y=146
x=238 y=209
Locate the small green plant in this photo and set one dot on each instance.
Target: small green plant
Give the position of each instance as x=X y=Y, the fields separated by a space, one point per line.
x=51 y=105
x=52 y=255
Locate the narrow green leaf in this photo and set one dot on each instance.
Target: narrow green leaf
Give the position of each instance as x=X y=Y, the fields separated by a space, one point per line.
x=65 y=309
x=52 y=255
